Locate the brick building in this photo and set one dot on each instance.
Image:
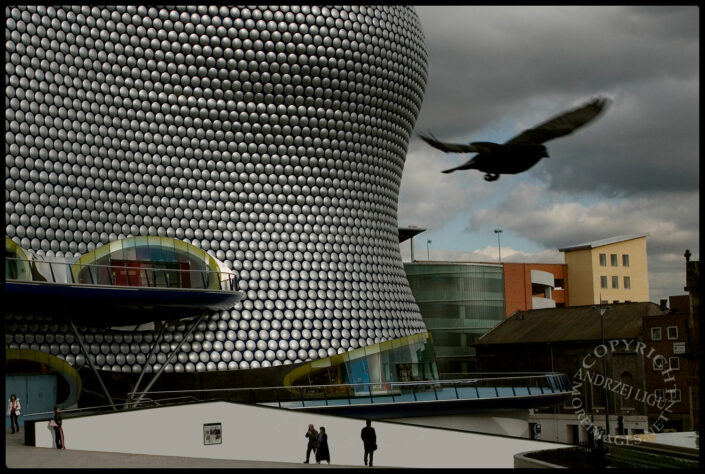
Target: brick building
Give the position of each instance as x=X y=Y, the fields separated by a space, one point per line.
x=569 y=340
x=534 y=286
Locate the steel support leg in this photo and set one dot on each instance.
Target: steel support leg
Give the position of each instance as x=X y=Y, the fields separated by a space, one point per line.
x=155 y=344
x=171 y=356
x=90 y=364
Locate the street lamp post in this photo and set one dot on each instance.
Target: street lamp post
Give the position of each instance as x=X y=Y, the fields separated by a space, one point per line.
x=602 y=310
x=428 y=250
x=499 y=245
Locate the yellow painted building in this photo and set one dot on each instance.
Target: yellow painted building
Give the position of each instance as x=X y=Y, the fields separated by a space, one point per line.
x=612 y=270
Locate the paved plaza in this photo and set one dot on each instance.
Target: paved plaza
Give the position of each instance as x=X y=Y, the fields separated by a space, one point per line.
x=17 y=455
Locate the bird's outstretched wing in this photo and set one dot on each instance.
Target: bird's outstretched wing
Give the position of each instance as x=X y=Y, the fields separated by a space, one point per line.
x=447 y=147
x=562 y=124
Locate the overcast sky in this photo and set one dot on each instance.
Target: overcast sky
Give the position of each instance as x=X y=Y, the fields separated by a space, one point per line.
x=495 y=71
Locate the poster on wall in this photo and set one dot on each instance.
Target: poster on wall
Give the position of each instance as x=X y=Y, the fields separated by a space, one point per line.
x=212 y=433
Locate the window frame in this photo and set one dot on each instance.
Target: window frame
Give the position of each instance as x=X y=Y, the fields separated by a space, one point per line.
x=627 y=282
x=668 y=333
x=615 y=282
x=603 y=259
x=677 y=365
x=603 y=282
x=660 y=333
x=614 y=262
x=625 y=260
x=675 y=395
x=660 y=394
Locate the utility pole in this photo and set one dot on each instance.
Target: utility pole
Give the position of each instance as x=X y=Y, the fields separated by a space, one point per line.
x=602 y=310
x=499 y=245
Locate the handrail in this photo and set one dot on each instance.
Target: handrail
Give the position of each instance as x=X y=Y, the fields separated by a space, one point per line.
x=303 y=395
x=225 y=281
x=369 y=384
x=71 y=411
x=392 y=392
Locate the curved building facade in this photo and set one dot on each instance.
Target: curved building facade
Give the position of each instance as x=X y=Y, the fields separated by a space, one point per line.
x=273 y=138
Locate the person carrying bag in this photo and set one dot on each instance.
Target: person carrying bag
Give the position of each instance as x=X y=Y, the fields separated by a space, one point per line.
x=13 y=411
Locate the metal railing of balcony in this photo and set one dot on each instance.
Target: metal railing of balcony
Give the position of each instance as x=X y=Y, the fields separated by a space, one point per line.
x=145 y=403
x=388 y=392
x=105 y=275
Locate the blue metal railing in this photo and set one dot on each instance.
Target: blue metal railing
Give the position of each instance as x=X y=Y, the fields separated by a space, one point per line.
x=390 y=392
x=312 y=396
x=105 y=275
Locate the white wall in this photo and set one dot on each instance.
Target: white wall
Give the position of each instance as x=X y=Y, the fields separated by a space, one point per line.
x=271 y=434
x=509 y=423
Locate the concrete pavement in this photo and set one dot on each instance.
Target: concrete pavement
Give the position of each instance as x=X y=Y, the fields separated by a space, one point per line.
x=17 y=455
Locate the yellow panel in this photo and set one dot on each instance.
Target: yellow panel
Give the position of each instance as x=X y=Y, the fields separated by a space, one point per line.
x=321 y=363
x=12 y=246
x=356 y=354
x=24 y=271
x=373 y=349
x=337 y=360
x=165 y=242
x=60 y=365
x=180 y=246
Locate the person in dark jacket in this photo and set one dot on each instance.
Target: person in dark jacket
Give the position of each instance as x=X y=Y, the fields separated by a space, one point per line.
x=369 y=440
x=312 y=445
x=58 y=430
x=322 y=453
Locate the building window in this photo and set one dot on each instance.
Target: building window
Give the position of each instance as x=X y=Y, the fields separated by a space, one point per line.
x=603 y=260
x=672 y=332
x=655 y=334
x=603 y=282
x=659 y=393
x=625 y=260
x=628 y=381
x=675 y=395
x=657 y=363
x=558 y=283
x=627 y=283
x=674 y=363
x=615 y=282
x=613 y=259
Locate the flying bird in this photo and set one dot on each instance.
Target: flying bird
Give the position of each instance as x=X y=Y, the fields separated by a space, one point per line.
x=526 y=149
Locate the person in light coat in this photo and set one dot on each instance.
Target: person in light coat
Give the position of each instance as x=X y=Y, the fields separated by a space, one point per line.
x=13 y=411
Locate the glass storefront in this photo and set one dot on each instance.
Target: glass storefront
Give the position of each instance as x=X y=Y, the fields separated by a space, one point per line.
x=407 y=359
x=149 y=262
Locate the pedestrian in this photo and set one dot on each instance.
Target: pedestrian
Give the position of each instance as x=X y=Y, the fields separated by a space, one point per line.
x=312 y=445
x=369 y=440
x=13 y=411
x=56 y=423
x=322 y=453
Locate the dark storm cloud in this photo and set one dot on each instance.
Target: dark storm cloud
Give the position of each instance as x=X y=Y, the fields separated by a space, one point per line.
x=497 y=67
x=495 y=71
